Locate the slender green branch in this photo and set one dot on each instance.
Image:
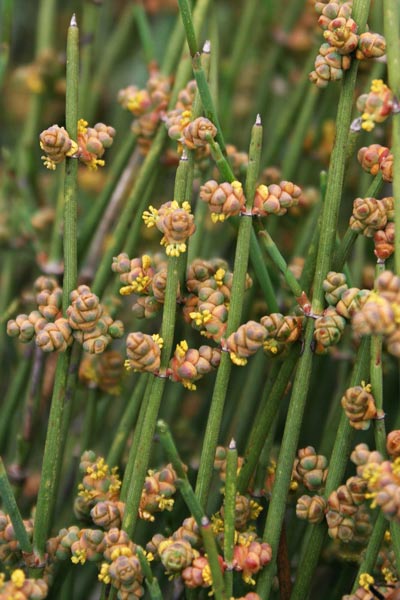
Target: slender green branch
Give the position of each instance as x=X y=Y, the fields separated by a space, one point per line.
x=56 y=430
x=5 y=36
x=151 y=582
x=127 y=422
x=337 y=466
x=229 y=514
x=182 y=482
x=140 y=466
x=235 y=311
x=186 y=15
x=144 y=30
x=12 y=510
x=337 y=168
x=287 y=454
x=265 y=418
x=281 y=264
x=391 y=20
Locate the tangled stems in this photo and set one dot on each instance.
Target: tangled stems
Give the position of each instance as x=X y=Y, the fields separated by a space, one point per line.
x=235 y=311
x=57 y=427
x=391 y=16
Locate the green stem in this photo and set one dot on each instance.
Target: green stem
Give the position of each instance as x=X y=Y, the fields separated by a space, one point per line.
x=229 y=514
x=281 y=264
x=56 y=243
x=51 y=458
x=288 y=112
x=94 y=215
x=210 y=547
x=129 y=470
x=256 y=256
x=336 y=171
x=127 y=422
x=90 y=28
x=151 y=582
x=56 y=425
x=235 y=311
x=265 y=418
x=112 y=51
x=296 y=140
x=391 y=19
x=12 y=510
x=337 y=466
x=376 y=380
x=174 y=270
x=350 y=236
x=13 y=396
x=374 y=545
x=44 y=42
x=182 y=482
x=5 y=37
x=144 y=30
x=277 y=507
x=89 y=419
x=71 y=166
x=186 y=15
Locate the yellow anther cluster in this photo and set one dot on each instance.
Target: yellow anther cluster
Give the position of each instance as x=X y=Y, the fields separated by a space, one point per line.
x=95 y=163
x=181 y=348
x=206 y=575
x=18 y=578
x=99 y=470
x=175 y=249
x=200 y=318
x=158 y=340
x=82 y=126
x=241 y=362
x=377 y=85
x=103 y=575
x=366 y=580
x=150 y=216
x=121 y=551
x=219 y=276
x=79 y=556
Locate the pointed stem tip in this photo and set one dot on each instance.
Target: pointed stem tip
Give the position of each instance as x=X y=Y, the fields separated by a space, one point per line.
x=207 y=47
x=258 y=120
x=73 y=22
x=232 y=444
x=205 y=522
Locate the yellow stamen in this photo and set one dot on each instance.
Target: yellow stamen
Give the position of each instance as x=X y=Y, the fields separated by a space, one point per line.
x=103 y=575
x=181 y=349
x=241 y=362
x=18 y=578
x=79 y=556
x=365 y=581
x=158 y=339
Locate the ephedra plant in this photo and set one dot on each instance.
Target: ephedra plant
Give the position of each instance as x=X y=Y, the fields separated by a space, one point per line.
x=200 y=300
